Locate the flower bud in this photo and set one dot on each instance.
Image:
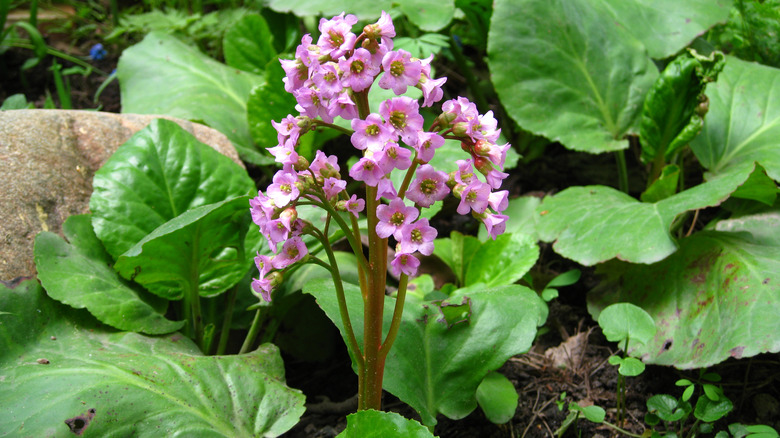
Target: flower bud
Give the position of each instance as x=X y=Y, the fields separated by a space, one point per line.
x=341 y=205
x=466 y=146
x=445 y=119
x=483 y=148
x=460 y=129
x=483 y=165
x=458 y=190
x=301 y=164
x=275 y=278
x=289 y=213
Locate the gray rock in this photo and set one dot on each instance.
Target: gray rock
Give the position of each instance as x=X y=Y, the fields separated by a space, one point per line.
x=47 y=161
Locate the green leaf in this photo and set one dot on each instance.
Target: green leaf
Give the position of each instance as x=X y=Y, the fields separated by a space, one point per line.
x=160 y=173
x=665 y=186
x=758 y=187
x=522 y=217
x=15 y=102
x=670 y=115
x=584 y=87
x=202 y=248
x=665 y=407
x=249 y=45
x=502 y=261
x=566 y=279
x=457 y=251
x=743 y=122
x=709 y=410
x=593 y=224
x=497 y=397
x=429 y=15
x=330 y=8
x=161 y=75
x=625 y=321
x=434 y=366
x=78 y=273
x=378 y=424
x=423 y=46
x=593 y=413
x=666 y=26
x=722 y=278
x=58 y=362
x=269 y=101
x=712 y=392
x=631 y=367
x=688 y=393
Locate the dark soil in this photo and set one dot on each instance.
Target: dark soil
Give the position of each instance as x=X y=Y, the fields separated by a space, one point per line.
x=330 y=385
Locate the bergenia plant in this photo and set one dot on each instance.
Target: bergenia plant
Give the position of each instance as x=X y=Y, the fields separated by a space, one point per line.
x=331 y=79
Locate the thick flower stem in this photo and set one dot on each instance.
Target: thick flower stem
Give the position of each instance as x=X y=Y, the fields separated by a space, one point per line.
x=373 y=308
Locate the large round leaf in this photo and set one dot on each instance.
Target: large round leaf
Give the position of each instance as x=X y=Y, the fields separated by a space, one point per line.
x=743 y=123
x=563 y=69
x=596 y=223
x=59 y=364
x=716 y=297
x=445 y=348
x=162 y=75
x=160 y=173
x=249 y=45
x=378 y=424
x=666 y=26
x=79 y=273
x=201 y=250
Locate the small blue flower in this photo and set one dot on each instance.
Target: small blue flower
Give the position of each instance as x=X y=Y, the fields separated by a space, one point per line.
x=97 y=52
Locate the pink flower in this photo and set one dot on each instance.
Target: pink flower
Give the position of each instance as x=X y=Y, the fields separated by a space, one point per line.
x=499 y=201
x=336 y=37
x=463 y=109
x=429 y=186
x=465 y=173
x=262 y=209
x=382 y=30
x=358 y=71
x=342 y=106
x=367 y=170
x=355 y=205
x=312 y=104
x=495 y=224
x=394 y=216
x=427 y=143
x=400 y=71
x=284 y=154
x=263 y=287
x=323 y=165
x=385 y=189
x=333 y=186
x=371 y=133
x=284 y=189
x=403 y=114
x=474 y=197
x=292 y=251
x=326 y=78
x=418 y=236
x=287 y=130
x=393 y=156
x=404 y=263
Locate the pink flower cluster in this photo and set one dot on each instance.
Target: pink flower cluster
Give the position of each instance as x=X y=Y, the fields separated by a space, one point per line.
x=327 y=79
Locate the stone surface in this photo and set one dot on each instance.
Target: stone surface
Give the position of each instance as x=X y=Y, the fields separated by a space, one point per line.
x=47 y=161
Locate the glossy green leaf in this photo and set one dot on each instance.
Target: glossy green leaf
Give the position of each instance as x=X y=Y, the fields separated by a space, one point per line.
x=593 y=413
x=631 y=367
x=456 y=252
x=665 y=407
x=564 y=70
x=202 y=248
x=594 y=224
x=162 y=75
x=57 y=363
x=429 y=15
x=743 y=122
x=497 y=397
x=665 y=186
x=715 y=298
x=423 y=46
x=269 y=101
x=708 y=410
x=378 y=424
x=625 y=321
x=434 y=366
x=566 y=279
x=502 y=261
x=758 y=187
x=160 y=173
x=666 y=26
x=671 y=115
x=79 y=273
x=248 y=44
